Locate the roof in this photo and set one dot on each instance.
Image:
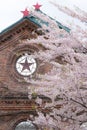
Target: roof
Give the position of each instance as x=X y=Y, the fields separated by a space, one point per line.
x=39 y=22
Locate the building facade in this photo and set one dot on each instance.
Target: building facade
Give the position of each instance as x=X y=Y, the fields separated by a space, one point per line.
x=17 y=63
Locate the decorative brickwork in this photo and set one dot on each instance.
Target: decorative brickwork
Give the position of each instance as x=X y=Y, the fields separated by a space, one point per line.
x=14 y=103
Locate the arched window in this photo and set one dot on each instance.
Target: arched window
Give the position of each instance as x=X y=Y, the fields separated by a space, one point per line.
x=25 y=125
x=84 y=126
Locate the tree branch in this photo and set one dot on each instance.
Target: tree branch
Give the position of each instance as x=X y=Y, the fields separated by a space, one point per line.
x=78 y=103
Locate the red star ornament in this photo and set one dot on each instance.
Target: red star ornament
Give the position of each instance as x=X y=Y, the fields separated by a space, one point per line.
x=25 y=12
x=37 y=6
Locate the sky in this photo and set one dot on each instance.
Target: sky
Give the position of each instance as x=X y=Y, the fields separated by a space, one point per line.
x=10 y=10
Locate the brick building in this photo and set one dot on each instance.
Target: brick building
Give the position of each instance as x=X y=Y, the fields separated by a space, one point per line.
x=15 y=64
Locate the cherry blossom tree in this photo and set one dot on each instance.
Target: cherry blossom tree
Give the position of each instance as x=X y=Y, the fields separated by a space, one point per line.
x=65 y=85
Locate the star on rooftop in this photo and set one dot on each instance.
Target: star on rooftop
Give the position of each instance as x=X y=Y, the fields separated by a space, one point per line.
x=25 y=12
x=37 y=6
